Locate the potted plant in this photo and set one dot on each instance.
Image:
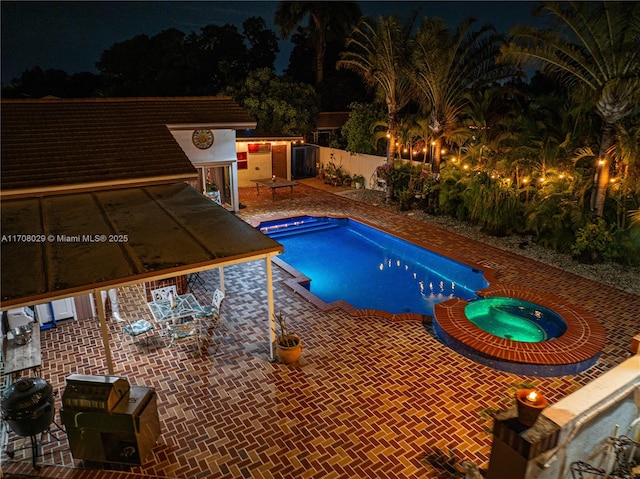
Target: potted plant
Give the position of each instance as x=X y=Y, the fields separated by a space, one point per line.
x=288 y=344
x=336 y=174
x=346 y=181
x=357 y=181
x=329 y=172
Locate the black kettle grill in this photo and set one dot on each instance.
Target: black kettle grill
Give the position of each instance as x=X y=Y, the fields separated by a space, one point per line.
x=28 y=409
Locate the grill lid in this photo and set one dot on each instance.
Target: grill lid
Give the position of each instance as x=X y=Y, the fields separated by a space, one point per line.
x=94 y=393
x=26 y=395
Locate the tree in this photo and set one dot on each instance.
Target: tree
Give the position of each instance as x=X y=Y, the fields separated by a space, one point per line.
x=594 y=47
x=357 y=128
x=263 y=44
x=36 y=83
x=327 y=21
x=221 y=58
x=379 y=54
x=173 y=64
x=450 y=63
x=145 y=66
x=280 y=107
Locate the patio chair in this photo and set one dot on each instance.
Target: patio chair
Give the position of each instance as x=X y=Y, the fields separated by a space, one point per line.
x=137 y=328
x=211 y=312
x=194 y=280
x=185 y=330
x=163 y=293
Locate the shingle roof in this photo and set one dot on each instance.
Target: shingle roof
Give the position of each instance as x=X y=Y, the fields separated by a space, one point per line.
x=63 y=143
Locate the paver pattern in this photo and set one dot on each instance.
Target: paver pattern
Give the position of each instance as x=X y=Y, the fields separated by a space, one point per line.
x=370 y=397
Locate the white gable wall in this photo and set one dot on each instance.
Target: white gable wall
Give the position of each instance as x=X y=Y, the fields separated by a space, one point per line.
x=221 y=154
x=223 y=148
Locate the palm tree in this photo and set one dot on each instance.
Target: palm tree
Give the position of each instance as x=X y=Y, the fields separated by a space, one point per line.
x=597 y=48
x=379 y=54
x=626 y=182
x=450 y=63
x=326 y=22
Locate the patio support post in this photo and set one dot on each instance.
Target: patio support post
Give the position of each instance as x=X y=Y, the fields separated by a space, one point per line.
x=221 y=273
x=272 y=325
x=97 y=294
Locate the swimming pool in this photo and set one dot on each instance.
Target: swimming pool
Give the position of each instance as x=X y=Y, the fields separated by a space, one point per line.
x=571 y=340
x=368 y=268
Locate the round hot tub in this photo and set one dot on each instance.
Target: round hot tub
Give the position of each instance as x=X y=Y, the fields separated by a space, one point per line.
x=522 y=331
x=515 y=319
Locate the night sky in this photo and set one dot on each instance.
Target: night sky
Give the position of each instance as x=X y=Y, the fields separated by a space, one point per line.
x=71 y=36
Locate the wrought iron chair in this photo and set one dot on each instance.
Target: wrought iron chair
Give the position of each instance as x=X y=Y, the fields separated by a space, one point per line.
x=137 y=328
x=185 y=330
x=211 y=312
x=163 y=293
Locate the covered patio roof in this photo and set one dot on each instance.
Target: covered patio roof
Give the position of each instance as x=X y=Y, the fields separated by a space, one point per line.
x=79 y=243
x=66 y=245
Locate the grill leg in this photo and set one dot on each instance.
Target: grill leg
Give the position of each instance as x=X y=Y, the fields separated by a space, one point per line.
x=35 y=449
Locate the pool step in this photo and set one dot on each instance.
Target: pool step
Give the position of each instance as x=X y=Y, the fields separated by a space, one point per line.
x=298 y=227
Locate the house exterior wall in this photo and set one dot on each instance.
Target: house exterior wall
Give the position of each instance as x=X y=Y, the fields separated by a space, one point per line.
x=223 y=148
x=221 y=154
x=259 y=164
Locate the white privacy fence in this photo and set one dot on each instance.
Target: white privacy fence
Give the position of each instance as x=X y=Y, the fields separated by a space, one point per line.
x=352 y=163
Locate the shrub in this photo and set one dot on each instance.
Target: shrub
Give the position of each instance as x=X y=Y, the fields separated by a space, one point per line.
x=594 y=243
x=494 y=205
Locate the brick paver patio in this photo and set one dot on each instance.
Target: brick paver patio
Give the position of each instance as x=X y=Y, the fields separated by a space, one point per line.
x=370 y=398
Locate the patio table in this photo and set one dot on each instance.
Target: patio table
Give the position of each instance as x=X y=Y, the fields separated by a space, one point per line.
x=20 y=357
x=274 y=184
x=186 y=305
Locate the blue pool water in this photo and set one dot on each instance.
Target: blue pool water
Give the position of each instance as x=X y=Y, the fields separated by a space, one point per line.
x=369 y=268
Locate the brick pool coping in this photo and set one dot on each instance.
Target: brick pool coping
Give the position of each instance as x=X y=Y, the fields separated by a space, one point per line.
x=580 y=345
x=583 y=340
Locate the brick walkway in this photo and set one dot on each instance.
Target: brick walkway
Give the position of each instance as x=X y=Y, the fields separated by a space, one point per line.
x=370 y=397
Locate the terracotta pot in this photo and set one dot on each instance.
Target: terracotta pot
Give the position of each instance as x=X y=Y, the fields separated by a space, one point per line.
x=289 y=354
x=528 y=411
